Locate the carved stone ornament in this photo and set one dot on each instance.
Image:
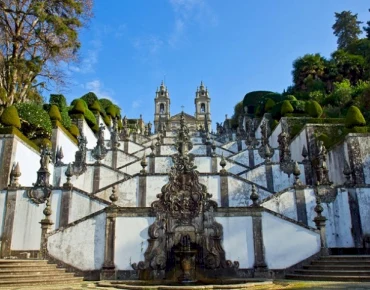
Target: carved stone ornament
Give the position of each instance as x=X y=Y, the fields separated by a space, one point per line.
x=100 y=151
x=59 y=156
x=41 y=190
x=15 y=173
x=265 y=150
x=320 y=166
x=114 y=139
x=286 y=162
x=184 y=208
x=79 y=165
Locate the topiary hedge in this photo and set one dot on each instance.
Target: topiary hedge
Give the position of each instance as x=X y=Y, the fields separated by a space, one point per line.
x=105 y=103
x=107 y=120
x=35 y=121
x=96 y=107
x=354 y=118
x=89 y=98
x=54 y=113
x=61 y=102
x=270 y=103
x=74 y=130
x=314 y=109
x=10 y=117
x=90 y=118
x=113 y=111
x=286 y=108
x=79 y=106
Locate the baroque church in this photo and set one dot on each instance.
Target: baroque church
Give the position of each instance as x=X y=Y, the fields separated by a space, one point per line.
x=182 y=203
x=162 y=116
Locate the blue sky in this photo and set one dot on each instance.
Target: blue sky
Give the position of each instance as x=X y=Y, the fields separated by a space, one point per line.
x=234 y=46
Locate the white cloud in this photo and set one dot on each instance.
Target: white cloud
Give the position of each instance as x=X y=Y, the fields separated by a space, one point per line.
x=97 y=87
x=136 y=104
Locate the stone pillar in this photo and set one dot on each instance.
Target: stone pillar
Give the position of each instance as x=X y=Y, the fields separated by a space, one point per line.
x=214 y=164
x=151 y=164
x=260 y=266
x=6 y=237
x=96 y=179
x=251 y=158
x=46 y=223
x=269 y=177
x=65 y=204
x=142 y=191
x=114 y=159
x=224 y=189
x=158 y=150
x=354 y=156
x=125 y=146
x=320 y=222
x=301 y=205
x=6 y=154
x=240 y=146
x=355 y=217
x=109 y=269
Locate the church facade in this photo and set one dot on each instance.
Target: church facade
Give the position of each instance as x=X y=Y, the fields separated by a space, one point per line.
x=164 y=120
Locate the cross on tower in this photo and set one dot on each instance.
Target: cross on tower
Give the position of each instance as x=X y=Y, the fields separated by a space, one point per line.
x=182 y=107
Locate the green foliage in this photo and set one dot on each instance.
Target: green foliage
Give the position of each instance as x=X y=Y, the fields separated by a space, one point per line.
x=3 y=95
x=290 y=98
x=273 y=124
x=74 y=130
x=286 y=108
x=43 y=142
x=367 y=29
x=35 y=122
x=95 y=107
x=89 y=98
x=54 y=113
x=342 y=93
x=90 y=118
x=325 y=138
x=306 y=68
x=95 y=128
x=354 y=118
x=314 y=109
x=317 y=96
x=79 y=107
x=119 y=124
x=349 y=66
x=61 y=102
x=10 y=117
x=346 y=28
x=113 y=111
x=253 y=99
x=270 y=103
x=107 y=120
x=298 y=106
x=105 y=103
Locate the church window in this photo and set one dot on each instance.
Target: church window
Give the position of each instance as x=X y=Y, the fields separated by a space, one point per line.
x=202 y=108
x=161 y=108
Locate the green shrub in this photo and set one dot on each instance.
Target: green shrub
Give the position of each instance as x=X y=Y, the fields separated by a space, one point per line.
x=79 y=106
x=58 y=100
x=270 y=103
x=90 y=118
x=107 y=120
x=35 y=121
x=354 y=118
x=95 y=107
x=276 y=111
x=89 y=98
x=273 y=124
x=95 y=128
x=42 y=142
x=298 y=106
x=290 y=98
x=74 y=130
x=112 y=111
x=286 y=108
x=314 y=109
x=324 y=138
x=3 y=94
x=10 y=117
x=119 y=124
x=105 y=103
x=54 y=113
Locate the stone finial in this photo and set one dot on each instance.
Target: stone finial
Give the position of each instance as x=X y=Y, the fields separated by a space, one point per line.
x=59 y=156
x=15 y=173
x=319 y=219
x=296 y=173
x=304 y=152
x=152 y=147
x=143 y=163
x=223 y=164
x=158 y=143
x=322 y=172
x=100 y=151
x=254 y=196
x=68 y=174
x=347 y=173
x=213 y=147
x=113 y=197
x=47 y=210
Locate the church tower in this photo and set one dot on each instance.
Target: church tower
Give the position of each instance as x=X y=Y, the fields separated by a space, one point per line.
x=162 y=107
x=202 y=106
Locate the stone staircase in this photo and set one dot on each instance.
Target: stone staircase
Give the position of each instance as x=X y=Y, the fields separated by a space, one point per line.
x=352 y=268
x=33 y=272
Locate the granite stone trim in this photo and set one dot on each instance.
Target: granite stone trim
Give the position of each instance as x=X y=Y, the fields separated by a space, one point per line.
x=6 y=238
x=109 y=249
x=224 y=189
x=142 y=191
x=125 y=146
x=96 y=178
x=357 y=233
x=7 y=156
x=65 y=204
x=251 y=158
x=269 y=178
x=301 y=206
x=114 y=159
x=240 y=146
x=354 y=156
x=151 y=164
x=259 y=253
x=214 y=164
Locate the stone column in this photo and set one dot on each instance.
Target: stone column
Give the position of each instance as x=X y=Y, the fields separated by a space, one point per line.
x=356 y=164
x=109 y=269
x=214 y=164
x=6 y=237
x=260 y=266
x=224 y=189
x=269 y=177
x=125 y=146
x=46 y=223
x=96 y=179
x=251 y=158
x=142 y=190
x=151 y=164
x=320 y=222
x=114 y=158
x=355 y=217
x=301 y=204
x=6 y=154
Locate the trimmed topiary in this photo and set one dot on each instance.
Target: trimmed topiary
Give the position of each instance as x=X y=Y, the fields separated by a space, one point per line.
x=286 y=108
x=54 y=113
x=89 y=98
x=314 y=109
x=42 y=142
x=58 y=100
x=95 y=128
x=119 y=124
x=74 y=130
x=290 y=98
x=325 y=138
x=105 y=103
x=90 y=118
x=107 y=120
x=79 y=107
x=35 y=121
x=95 y=107
x=269 y=105
x=10 y=117
x=112 y=111
x=354 y=118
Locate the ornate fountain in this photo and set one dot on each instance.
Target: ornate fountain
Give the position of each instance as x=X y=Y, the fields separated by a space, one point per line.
x=184 y=240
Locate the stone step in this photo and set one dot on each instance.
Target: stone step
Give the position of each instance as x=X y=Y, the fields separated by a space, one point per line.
x=334 y=257
x=27 y=266
x=349 y=278
x=337 y=267
x=358 y=263
x=31 y=271
x=334 y=272
x=18 y=277
x=5 y=284
x=18 y=261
